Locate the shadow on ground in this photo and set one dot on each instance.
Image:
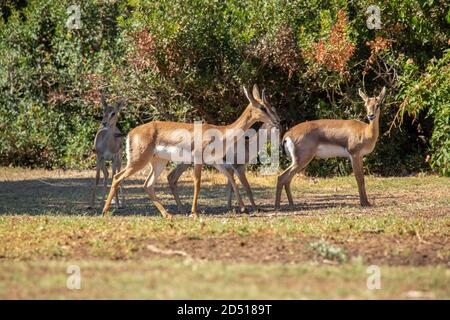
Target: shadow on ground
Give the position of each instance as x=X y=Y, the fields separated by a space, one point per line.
x=72 y=196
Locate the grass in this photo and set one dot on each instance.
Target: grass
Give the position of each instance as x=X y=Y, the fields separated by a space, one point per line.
x=321 y=248
x=192 y=279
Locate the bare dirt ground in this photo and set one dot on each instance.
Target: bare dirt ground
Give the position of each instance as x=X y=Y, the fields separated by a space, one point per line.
x=320 y=248
x=408 y=224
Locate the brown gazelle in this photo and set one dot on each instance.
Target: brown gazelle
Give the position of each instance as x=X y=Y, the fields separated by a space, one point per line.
x=324 y=138
x=233 y=167
x=108 y=147
x=157 y=142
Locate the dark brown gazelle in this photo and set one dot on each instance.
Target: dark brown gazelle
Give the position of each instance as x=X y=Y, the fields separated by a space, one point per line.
x=325 y=138
x=156 y=142
x=108 y=147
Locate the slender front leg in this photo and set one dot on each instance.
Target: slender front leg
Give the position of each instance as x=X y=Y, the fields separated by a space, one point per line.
x=172 y=178
x=117 y=180
x=94 y=188
x=223 y=170
x=358 y=170
x=114 y=170
x=121 y=189
x=105 y=179
x=240 y=171
x=197 y=180
x=230 y=190
x=149 y=185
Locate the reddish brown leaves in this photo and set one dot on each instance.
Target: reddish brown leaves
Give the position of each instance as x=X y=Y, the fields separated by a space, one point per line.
x=335 y=52
x=144 y=48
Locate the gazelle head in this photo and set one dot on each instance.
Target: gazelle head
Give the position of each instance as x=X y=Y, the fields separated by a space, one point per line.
x=260 y=108
x=373 y=104
x=110 y=112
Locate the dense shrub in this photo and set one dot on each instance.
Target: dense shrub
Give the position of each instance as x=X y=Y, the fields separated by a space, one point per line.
x=188 y=59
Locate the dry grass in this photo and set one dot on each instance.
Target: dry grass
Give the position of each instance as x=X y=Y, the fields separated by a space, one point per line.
x=45 y=225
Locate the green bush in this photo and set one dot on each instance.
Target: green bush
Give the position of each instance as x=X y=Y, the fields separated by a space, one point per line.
x=184 y=60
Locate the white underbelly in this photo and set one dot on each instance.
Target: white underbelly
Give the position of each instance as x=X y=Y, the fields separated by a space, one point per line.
x=325 y=151
x=174 y=153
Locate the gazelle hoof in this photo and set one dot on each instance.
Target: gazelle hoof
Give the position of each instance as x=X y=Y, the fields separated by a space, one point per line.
x=244 y=210
x=366 y=204
x=193 y=215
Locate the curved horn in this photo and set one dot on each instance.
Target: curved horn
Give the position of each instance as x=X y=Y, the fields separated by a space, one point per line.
x=263 y=95
x=249 y=96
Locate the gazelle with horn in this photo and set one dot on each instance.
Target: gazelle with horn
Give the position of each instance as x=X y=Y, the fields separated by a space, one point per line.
x=157 y=142
x=325 y=138
x=235 y=167
x=108 y=147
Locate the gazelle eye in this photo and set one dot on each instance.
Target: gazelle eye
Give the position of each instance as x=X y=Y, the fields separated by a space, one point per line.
x=113 y=114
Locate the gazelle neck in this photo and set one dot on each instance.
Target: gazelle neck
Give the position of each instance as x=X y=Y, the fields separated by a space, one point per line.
x=373 y=128
x=244 y=122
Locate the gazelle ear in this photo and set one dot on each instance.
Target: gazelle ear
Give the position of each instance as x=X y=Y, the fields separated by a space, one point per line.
x=256 y=92
x=362 y=94
x=120 y=104
x=104 y=103
x=382 y=94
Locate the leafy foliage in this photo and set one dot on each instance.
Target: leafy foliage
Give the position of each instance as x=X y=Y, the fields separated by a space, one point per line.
x=184 y=60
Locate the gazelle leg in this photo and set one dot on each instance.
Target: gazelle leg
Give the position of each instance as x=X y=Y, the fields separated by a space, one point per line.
x=240 y=171
x=172 y=178
x=121 y=189
x=281 y=180
x=230 y=189
x=197 y=181
x=157 y=166
x=114 y=169
x=358 y=170
x=94 y=188
x=223 y=170
x=105 y=179
x=285 y=179
x=117 y=180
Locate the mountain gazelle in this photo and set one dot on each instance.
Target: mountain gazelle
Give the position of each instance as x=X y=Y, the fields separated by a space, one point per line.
x=234 y=167
x=158 y=142
x=108 y=147
x=325 y=138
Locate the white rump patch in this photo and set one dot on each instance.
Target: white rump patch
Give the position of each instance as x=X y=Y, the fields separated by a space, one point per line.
x=290 y=148
x=127 y=147
x=325 y=151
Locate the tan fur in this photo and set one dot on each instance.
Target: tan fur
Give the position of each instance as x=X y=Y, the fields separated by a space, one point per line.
x=108 y=147
x=333 y=138
x=232 y=168
x=144 y=139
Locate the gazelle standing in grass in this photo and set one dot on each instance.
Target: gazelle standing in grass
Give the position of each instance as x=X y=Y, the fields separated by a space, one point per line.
x=325 y=138
x=232 y=168
x=158 y=142
x=108 y=147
